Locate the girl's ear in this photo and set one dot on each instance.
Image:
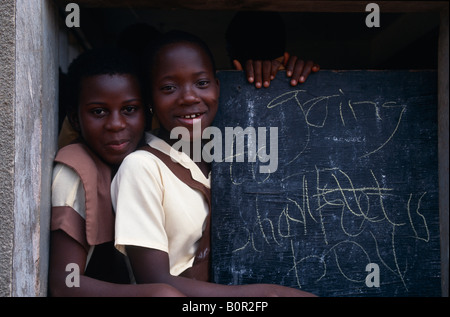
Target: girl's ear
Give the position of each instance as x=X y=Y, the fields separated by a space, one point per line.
x=218 y=83
x=218 y=86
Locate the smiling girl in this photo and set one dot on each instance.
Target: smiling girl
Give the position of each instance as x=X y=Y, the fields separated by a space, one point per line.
x=105 y=106
x=162 y=197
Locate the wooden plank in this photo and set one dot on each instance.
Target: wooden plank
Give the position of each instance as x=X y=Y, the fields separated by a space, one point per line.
x=443 y=133
x=267 y=5
x=7 y=145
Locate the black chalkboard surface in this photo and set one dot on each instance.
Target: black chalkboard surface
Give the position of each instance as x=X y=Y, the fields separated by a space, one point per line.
x=341 y=199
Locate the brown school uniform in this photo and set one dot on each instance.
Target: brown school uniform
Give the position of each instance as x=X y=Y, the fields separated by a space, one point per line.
x=81 y=207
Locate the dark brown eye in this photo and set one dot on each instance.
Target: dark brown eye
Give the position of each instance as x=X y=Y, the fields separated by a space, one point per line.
x=203 y=83
x=98 y=111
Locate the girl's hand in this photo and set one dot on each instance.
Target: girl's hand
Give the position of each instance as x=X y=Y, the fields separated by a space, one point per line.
x=262 y=72
x=299 y=70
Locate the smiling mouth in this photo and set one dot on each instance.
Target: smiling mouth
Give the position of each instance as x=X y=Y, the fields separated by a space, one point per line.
x=191 y=116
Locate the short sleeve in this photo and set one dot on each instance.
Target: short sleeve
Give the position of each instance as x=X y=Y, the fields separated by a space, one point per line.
x=137 y=198
x=68 y=190
x=68 y=204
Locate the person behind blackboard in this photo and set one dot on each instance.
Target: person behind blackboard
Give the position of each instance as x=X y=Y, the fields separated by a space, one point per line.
x=256 y=43
x=161 y=196
x=106 y=108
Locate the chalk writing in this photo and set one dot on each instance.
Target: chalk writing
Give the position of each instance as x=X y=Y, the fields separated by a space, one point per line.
x=333 y=189
x=315 y=112
x=311 y=106
x=352 y=207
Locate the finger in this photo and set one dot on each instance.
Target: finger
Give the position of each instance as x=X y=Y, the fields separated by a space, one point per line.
x=249 y=71
x=306 y=71
x=237 y=65
x=266 y=73
x=275 y=68
x=298 y=69
x=316 y=68
x=257 y=67
x=286 y=56
x=290 y=65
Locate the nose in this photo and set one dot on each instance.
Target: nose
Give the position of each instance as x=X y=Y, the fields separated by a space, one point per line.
x=189 y=96
x=115 y=122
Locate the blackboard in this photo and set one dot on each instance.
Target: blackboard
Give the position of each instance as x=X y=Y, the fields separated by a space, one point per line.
x=352 y=207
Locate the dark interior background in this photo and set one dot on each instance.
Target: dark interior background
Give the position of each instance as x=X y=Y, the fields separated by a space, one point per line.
x=333 y=40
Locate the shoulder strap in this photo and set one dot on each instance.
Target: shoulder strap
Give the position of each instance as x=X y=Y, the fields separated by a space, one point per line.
x=200 y=268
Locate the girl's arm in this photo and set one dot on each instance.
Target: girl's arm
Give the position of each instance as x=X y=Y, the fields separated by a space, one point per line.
x=152 y=266
x=65 y=250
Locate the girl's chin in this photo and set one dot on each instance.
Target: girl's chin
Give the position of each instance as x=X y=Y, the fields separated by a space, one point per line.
x=115 y=158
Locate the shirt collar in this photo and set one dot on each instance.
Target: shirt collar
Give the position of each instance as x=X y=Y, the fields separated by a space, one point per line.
x=180 y=157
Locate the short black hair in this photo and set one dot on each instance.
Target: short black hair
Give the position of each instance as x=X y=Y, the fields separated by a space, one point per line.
x=257 y=35
x=100 y=61
x=171 y=37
